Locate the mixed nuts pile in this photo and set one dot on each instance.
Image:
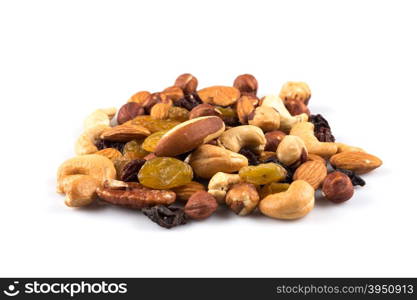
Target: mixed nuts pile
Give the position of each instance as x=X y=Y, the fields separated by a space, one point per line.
x=180 y=153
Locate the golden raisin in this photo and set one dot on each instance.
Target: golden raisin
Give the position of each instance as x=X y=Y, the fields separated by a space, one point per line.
x=154 y=125
x=134 y=150
x=273 y=188
x=263 y=173
x=151 y=141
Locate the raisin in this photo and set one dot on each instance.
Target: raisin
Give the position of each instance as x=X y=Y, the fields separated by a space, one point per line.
x=189 y=101
x=151 y=141
x=290 y=172
x=263 y=173
x=273 y=188
x=134 y=150
x=166 y=216
x=129 y=172
x=179 y=114
x=165 y=173
x=228 y=115
x=322 y=129
x=250 y=155
x=104 y=144
x=154 y=125
x=356 y=180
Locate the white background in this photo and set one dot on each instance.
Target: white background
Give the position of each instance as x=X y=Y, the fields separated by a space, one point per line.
x=60 y=60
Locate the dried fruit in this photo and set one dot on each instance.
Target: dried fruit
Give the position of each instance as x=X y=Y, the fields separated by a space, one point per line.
x=189 y=101
x=356 y=180
x=322 y=129
x=263 y=173
x=166 y=216
x=228 y=115
x=290 y=173
x=151 y=141
x=134 y=150
x=154 y=125
x=201 y=205
x=129 y=171
x=165 y=173
x=273 y=188
x=250 y=155
x=103 y=144
x=178 y=114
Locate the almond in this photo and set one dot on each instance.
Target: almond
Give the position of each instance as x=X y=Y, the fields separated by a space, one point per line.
x=358 y=162
x=219 y=95
x=315 y=157
x=244 y=108
x=184 y=192
x=110 y=153
x=312 y=172
x=125 y=133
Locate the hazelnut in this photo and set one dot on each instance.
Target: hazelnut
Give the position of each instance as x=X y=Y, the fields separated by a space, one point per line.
x=204 y=110
x=200 y=205
x=187 y=82
x=337 y=187
x=273 y=138
x=296 y=107
x=265 y=117
x=295 y=91
x=129 y=111
x=242 y=198
x=173 y=93
x=139 y=97
x=154 y=99
x=246 y=84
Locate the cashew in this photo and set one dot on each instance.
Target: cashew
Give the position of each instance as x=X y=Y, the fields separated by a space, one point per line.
x=79 y=177
x=294 y=203
x=287 y=121
x=266 y=118
x=305 y=131
x=292 y=151
x=346 y=148
x=220 y=183
x=94 y=125
x=239 y=137
x=207 y=160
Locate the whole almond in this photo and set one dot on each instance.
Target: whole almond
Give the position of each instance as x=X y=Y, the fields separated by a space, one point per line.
x=244 y=108
x=312 y=172
x=184 y=192
x=125 y=133
x=219 y=95
x=358 y=162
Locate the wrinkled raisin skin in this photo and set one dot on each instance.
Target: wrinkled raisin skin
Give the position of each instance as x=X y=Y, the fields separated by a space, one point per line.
x=166 y=216
x=251 y=156
x=189 y=101
x=129 y=172
x=103 y=144
x=355 y=179
x=322 y=129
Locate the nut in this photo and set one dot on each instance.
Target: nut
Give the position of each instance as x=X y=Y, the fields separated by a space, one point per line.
x=358 y=162
x=242 y=198
x=187 y=82
x=160 y=111
x=133 y=194
x=295 y=91
x=313 y=172
x=153 y=99
x=245 y=136
x=287 y=121
x=220 y=183
x=292 y=151
x=207 y=160
x=305 y=131
x=315 y=157
x=203 y=110
x=294 y=203
x=244 y=108
x=346 y=148
x=273 y=188
x=273 y=138
x=129 y=111
x=184 y=192
x=246 y=84
x=200 y=205
x=79 y=177
x=125 y=133
x=110 y=153
x=266 y=118
x=139 y=97
x=189 y=135
x=267 y=155
x=173 y=93
x=219 y=95
x=337 y=187
x=296 y=107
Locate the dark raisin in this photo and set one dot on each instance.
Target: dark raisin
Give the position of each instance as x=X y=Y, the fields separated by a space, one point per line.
x=129 y=172
x=166 y=216
x=356 y=180
x=322 y=129
x=189 y=101
x=103 y=144
x=252 y=157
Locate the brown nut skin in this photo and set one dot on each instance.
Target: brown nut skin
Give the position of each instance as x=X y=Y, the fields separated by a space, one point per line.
x=154 y=99
x=312 y=172
x=244 y=107
x=174 y=93
x=294 y=90
x=242 y=198
x=139 y=97
x=187 y=82
x=246 y=84
x=204 y=110
x=273 y=138
x=129 y=111
x=337 y=187
x=296 y=107
x=184 y=192
x=189 y=135
x=201 y=205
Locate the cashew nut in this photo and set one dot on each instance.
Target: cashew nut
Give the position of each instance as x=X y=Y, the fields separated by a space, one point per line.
x=266 y=118
x=220 y=183
x=294 y=203
x=347 y=148
x=94 y=125
x=245 y=136
x=292 y=151
x=305 y=131
x=287 y=121
x=79 y=177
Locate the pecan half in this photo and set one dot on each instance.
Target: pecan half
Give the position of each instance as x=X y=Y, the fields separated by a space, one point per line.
x=133 y=194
